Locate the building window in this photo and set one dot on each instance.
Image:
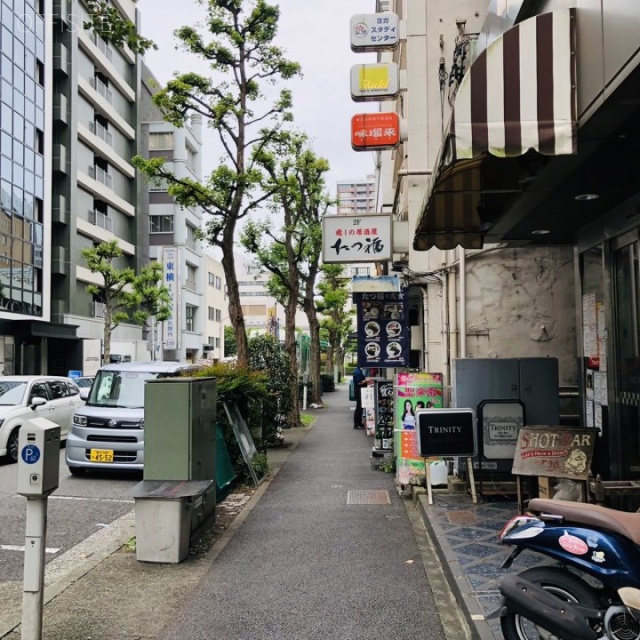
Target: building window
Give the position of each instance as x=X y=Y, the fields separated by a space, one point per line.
x=217 y=343
x=158 y=184
x=191 y=158
x=161 y=141
x=218 y=315
x=189 y=317
x=211 y=279
x=191 y=278
x=218 y=283
x=212 y=313
x=161 y=224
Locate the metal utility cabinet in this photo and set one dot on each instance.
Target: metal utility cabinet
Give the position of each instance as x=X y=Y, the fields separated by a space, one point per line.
x=179 y=487
x=534 y=382
x=180 y=429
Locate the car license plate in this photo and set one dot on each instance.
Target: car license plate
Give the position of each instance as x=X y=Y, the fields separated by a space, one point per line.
x=101 y=455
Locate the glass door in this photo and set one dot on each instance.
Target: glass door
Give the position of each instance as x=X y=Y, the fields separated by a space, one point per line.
x=626 y=263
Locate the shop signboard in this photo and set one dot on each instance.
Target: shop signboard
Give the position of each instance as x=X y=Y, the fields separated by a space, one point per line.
x=375 y=31
x=414 y=391
x=375 y=131
x=373 y=82
x=500 y=422
x=383 y=329
x=347 y=239
x=446 y=432
x=554 y=452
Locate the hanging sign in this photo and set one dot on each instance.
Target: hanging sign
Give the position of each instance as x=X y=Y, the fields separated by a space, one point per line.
x=373 y=82
x=373 y=131
x=375 y=31
x=383 y=329
x=356 y=238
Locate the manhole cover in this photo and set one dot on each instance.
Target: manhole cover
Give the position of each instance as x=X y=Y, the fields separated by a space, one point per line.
x=368 y=496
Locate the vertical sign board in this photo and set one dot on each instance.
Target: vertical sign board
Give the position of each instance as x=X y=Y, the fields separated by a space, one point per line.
x=414 y=391
x=348 y=239
x=383 y=331
x=170 y=277
x=446 y=432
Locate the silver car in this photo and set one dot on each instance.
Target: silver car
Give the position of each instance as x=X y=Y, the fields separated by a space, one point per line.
x=108 y=431
x=25 y=397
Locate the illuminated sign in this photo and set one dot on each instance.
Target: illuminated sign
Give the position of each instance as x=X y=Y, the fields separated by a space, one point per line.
x=356 y=238
x=370 y=131
x=375 y=82
x=375 y=32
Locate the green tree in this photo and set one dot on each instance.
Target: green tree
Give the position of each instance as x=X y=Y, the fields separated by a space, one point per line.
x=108 y=23
x=295 y=177
x=242 y=56
x=230 y=344
x=337 y=318
x=125 y=295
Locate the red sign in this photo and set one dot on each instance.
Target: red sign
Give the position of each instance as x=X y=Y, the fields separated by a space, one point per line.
x=375 y=131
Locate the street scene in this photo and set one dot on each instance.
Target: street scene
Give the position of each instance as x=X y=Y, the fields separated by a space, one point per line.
x=319 y=320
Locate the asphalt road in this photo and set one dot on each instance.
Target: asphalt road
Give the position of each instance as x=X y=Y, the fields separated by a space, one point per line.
x=77 y=509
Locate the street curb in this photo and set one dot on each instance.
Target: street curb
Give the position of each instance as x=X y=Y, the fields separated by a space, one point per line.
x=480 y=629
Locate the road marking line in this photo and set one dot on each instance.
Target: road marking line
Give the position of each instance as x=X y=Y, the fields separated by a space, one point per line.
x=15 y=547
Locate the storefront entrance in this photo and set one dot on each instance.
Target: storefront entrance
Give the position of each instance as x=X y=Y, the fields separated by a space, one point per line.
x=626 y=301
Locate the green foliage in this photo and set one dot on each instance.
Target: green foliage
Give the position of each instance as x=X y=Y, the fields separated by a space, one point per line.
x=328 y=383
x=239 y=50
x=267 y=355
x=125 y=295
x=260 y=464
x=105 y=21
x=230 y=342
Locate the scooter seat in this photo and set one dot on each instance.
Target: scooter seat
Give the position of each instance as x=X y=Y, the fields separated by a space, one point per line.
x=622 y=522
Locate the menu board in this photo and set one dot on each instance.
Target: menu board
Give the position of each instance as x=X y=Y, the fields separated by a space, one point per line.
x=383 y=329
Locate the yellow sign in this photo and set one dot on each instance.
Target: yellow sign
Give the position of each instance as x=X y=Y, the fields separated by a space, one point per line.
x=374 y=77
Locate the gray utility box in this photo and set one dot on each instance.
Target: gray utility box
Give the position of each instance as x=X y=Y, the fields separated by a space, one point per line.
x=179 y=488
x=164 y=518
x=534 y=382
x=180 y=429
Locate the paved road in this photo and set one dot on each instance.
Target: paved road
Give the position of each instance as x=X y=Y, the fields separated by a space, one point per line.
x=80 y=507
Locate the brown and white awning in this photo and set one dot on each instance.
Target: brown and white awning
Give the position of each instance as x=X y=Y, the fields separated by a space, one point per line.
x=518 y=96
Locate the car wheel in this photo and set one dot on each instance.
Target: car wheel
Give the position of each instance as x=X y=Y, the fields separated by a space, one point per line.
x=76 y=471
x=12 y=445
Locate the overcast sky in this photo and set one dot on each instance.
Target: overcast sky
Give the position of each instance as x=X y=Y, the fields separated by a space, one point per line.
x=314 y=33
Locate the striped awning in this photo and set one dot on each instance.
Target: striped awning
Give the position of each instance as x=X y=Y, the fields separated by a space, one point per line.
x=518 y=96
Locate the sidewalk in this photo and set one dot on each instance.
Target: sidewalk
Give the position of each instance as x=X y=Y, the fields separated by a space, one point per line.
x=326 y=548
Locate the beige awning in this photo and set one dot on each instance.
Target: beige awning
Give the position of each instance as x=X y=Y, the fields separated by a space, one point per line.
x=518 y=97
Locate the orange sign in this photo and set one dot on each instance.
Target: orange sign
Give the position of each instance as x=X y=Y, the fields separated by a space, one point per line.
x=375 y=131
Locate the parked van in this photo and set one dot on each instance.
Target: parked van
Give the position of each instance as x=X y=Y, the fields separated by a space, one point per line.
x=108 y=431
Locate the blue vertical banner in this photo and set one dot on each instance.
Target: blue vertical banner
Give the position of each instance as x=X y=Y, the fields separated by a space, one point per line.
x=383 y=329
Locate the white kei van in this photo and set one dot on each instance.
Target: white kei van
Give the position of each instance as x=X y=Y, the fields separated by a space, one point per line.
x=107 y=433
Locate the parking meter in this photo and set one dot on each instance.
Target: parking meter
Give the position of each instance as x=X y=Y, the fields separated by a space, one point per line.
x=38 y=476
x=38 y=458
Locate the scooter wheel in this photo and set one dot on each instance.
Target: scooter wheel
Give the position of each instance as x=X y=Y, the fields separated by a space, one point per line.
x=559 y=582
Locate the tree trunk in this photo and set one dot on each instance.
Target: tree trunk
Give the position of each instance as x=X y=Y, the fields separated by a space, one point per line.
x=315 y=366
x=290 y=348
x=235 y=307
x=106 y=335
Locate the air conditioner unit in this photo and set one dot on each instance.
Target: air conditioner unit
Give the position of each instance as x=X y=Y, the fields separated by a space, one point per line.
x=207 y=347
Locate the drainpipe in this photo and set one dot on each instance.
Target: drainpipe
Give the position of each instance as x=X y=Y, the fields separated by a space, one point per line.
x=425 y=327
x=463 y=304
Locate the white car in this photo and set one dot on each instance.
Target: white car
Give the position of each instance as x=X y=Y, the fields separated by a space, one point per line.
x=24 y=397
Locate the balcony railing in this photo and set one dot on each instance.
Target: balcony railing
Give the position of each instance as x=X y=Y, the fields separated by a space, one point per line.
x=104 y=48
x=97 y=310
x=191 y=285
x=101 y=131
x=101 y=175
x=102 y=89
x=100 y=219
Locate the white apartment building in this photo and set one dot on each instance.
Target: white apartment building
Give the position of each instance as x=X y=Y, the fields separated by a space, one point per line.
x=356 y=196
x=173 y=231
x=217 y=309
